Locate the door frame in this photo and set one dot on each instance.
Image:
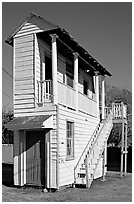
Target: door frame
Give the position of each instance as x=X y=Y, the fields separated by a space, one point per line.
x=47 y=144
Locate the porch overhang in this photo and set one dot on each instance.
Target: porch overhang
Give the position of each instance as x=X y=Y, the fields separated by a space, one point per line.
x=31 y=122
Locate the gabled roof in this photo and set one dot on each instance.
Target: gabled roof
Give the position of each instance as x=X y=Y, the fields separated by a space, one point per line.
x=46 y=26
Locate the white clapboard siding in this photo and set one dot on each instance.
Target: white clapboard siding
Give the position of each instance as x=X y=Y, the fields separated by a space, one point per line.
x=23 y=73
x=24 y=68
x=24 y=39
x=27 y=29
x=25 y=101
x=84 y=126
x=23 y=63
x=23 y=45
x=53 y=153
x=23 y=49
x=27 y=53
x=50 y=110
x=26 y=87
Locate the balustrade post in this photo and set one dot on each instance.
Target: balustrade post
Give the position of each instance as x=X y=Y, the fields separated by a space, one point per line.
x=125 y=149
x=122 y=148
x=54 y=68
x=76 y=79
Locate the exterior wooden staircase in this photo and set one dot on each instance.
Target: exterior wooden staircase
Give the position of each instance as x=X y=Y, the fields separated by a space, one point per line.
x=85 y=169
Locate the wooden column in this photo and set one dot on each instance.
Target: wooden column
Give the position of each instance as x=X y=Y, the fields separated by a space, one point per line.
x=24 y=157
x=87 y=171
x=104 y=162
x=103 y=97
x=54 y=68
x=125 y=171
x=35 y=71
x=122 y=148
x=97 y=92
x=76 y=79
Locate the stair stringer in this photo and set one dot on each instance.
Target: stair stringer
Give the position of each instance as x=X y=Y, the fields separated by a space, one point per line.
x=88 y=163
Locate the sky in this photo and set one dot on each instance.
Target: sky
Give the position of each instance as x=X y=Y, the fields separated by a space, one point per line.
x=104 y=29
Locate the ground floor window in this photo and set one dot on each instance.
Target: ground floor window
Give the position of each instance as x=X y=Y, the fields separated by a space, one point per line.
x=70 y=140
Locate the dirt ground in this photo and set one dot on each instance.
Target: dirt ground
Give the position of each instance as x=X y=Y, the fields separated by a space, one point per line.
x=113 y=189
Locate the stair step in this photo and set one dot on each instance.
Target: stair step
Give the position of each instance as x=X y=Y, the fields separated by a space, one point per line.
x=81 y=171
x=81 y=175
x=81 y=180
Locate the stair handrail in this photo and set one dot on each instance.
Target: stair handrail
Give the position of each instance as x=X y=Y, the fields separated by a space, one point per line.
x=104 y=123
x=95 y=131
x=97 y=128
x=103 y=145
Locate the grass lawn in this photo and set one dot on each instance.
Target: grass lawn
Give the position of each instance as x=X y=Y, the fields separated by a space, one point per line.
x=113 y=189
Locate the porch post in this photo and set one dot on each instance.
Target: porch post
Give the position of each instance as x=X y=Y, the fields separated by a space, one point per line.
x=76 y=79
x=54 y=68
x=122 y=149
x=97 y=92
x=125 y=149
x=103 y=97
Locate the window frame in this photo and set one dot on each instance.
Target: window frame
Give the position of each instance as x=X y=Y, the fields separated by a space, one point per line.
x=70 y=157
x=69 y=74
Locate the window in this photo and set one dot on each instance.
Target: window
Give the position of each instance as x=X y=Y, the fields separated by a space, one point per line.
x=69 y=74
x=48 y=68
x=85 y=86
x=70 y=140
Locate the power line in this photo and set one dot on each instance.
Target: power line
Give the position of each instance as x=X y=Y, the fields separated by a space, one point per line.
x=7 y=95
x=7 y=72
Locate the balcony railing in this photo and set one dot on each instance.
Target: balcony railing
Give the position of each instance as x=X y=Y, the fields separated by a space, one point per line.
x=119 y=111
x=45 y=93
x=87 y=105
x=66 y=95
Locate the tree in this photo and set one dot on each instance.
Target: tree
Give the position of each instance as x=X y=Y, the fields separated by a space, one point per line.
x=7 y=135
x=114 y=93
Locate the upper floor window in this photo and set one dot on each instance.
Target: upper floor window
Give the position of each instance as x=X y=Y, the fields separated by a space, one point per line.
x=69 y=74
x=85 y=87
x=70 y=140
x=48 y=68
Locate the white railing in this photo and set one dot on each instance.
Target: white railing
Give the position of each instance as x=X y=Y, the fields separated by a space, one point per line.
x=66 y=95
x=107 y=111
x=124 y=111
x=90 y=155
x=45 y=93
x=86 y=150
x=119 y=110
x=87 y=105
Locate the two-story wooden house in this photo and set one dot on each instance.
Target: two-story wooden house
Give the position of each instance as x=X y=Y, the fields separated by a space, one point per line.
x=58 y=136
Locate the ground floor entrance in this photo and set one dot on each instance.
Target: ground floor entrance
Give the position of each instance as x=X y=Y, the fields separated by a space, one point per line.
x=36 y=157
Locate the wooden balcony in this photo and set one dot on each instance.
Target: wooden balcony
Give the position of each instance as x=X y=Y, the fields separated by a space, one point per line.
x=118 y=110
x=66 y=96
x=87 y=105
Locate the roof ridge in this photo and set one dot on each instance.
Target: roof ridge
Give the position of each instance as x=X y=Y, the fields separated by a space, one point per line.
x=32 y=14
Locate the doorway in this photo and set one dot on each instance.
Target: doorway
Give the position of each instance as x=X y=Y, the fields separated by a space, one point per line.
x=36 y=158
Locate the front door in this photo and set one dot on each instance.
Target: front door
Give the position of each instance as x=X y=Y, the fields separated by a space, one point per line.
x=35 y=157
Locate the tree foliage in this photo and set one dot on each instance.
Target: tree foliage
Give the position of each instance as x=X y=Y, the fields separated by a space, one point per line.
x=7 y=135
x=114 y=93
